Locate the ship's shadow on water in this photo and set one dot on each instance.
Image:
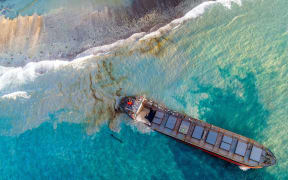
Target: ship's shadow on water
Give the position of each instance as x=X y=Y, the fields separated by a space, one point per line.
x=196 y=164
x=235 y=107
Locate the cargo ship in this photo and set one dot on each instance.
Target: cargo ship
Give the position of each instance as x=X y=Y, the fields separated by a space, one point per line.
x=234 y=148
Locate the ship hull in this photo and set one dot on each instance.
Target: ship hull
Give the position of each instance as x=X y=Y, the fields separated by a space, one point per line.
x=221 y=143
x=213 y=154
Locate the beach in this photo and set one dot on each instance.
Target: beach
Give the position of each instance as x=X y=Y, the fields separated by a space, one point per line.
x=223 y=62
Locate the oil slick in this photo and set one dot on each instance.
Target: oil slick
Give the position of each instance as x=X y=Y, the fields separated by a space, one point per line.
x=87 y=95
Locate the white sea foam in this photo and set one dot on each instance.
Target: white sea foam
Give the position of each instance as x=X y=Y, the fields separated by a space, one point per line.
x=105 y=49
x=195 y=12
x=14 y=81
x=243 y=168
x=228 y=3
x=15 y=95
x=19 y=75
x=192 y=14
x=13 y=77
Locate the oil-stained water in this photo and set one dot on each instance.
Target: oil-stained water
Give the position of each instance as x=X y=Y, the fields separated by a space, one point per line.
x=227 y=67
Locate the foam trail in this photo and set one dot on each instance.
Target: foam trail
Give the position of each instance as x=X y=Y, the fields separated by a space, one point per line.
x=195 y=12
x=103 y=50
x=192 y=14
x=228 y=3
x=57 y=95
x=29 y=37
x=15 y=95
x=11 y=77
x=61 y=89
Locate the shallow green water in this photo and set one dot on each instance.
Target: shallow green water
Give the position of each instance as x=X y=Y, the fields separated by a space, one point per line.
x=227 y=67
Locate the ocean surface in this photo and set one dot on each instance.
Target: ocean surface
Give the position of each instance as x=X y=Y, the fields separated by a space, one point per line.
x=224 y=62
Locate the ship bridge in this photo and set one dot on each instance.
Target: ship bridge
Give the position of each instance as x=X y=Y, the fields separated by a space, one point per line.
x=131 y=105
x=219 y=142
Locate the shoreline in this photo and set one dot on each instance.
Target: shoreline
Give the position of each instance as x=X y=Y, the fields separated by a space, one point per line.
x=89 y=30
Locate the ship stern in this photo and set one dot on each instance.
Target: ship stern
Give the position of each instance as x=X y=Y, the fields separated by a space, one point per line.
x=131 y=105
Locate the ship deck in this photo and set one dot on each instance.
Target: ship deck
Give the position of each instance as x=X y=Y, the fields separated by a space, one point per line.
x=225 y=144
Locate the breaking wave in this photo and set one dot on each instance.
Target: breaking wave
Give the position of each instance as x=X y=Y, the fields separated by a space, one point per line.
x=192 y=14
x=79 y=91
x=12 y=78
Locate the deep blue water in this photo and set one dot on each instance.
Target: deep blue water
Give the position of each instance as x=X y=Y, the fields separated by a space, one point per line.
x=67 y=152
x=227 y=67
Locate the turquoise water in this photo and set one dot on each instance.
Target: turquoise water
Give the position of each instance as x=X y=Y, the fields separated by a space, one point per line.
x=68 y=153
x=12 y=9
x=227 y=67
